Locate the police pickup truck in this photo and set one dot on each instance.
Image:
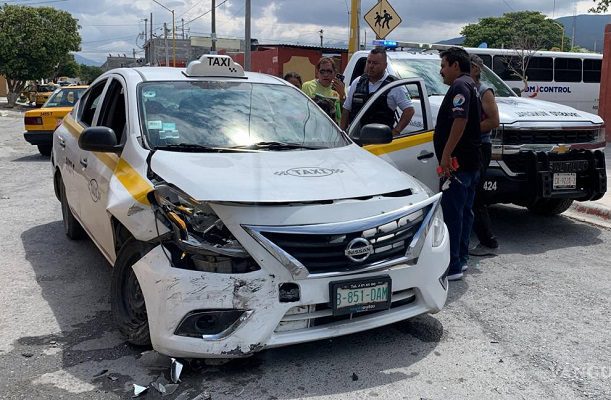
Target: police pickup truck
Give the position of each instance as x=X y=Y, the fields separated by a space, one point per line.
x=544 y=155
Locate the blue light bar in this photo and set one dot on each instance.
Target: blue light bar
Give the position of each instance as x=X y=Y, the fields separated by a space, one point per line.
x=389 y=44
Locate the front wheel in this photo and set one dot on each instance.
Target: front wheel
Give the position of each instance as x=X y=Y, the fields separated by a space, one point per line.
x=45 y=149
x=550 y=206
x=127 y=300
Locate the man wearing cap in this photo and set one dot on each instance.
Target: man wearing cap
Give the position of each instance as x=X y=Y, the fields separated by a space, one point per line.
x=488 y=244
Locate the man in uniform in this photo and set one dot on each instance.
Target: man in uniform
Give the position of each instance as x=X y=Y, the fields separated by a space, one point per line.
x=458 y=136
x=383 y=110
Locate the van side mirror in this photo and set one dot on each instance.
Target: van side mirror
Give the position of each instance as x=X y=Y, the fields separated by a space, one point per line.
x=373 y=134
x=99 y=138
x=517 y=91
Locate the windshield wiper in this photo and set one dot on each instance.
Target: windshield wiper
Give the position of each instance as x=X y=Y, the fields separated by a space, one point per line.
x=276 y=146
x=192 y=147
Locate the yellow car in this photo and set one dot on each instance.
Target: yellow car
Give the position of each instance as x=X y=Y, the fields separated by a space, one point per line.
x=40 y=123
x=43 y=92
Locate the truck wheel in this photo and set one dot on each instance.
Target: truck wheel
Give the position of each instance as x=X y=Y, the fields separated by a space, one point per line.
x=127 y=300
x=72 y=228
x=550 y=206
x=44 y=149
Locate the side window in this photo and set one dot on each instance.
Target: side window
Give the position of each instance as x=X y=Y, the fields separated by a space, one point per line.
x=418 y=123
x=90 y=104
x=504 y=67
x=359 y=68
x=112 y=114
x=591 y=71
x=567 y=69
x=540 y=69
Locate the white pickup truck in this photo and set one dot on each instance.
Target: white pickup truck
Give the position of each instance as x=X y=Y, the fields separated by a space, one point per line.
x=544 y=155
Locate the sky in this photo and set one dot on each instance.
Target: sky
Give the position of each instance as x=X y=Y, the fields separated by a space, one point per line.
x=117 y=26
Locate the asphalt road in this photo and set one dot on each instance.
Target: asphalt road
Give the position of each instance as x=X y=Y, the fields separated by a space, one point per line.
x=532 y=322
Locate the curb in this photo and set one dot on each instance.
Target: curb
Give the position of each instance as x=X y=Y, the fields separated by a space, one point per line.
x=591 y=213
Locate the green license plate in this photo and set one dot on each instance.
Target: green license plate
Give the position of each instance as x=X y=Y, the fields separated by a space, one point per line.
x=360 y=295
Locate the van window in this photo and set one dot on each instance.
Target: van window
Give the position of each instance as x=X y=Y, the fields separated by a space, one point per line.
x=502 y=66
x=591 y=71
x=540 y=69
x=487 y=59
x=567 y=69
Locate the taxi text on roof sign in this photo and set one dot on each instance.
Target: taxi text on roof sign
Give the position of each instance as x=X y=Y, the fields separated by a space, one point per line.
x=214 y=65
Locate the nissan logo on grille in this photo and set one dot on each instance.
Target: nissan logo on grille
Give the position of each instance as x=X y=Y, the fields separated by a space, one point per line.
x=358 y=250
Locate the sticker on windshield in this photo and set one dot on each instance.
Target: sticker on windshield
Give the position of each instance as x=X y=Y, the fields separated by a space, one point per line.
x=154 y=125
x=169 y=126
x=149 y=93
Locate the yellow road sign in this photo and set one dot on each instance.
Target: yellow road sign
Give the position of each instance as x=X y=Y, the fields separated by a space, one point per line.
x=382 y=18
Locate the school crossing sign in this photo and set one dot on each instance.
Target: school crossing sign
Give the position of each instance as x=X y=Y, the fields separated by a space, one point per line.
x=382 y=18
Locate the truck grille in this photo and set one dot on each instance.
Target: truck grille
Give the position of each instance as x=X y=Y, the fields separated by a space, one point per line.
x=323 y=253
x=518 y=137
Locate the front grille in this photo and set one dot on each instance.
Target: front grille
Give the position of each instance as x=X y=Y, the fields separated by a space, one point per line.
x=316 y=315
x=517 y=163
x=323 y=253
x=518 y=137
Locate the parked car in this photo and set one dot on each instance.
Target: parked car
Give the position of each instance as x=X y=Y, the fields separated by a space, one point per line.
x=40 y=123
x=43 y=92
x=236 y=214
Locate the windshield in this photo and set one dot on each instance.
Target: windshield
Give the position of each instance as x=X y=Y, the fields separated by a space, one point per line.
x=65 y=97
x=221 y=114
x=429 y=69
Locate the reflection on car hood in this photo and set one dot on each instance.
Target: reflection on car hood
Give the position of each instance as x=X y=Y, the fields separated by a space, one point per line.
x=280 y=176
x=514 y=109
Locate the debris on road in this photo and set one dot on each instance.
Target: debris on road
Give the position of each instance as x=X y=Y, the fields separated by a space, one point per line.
x=138 y=390
x=176 y=370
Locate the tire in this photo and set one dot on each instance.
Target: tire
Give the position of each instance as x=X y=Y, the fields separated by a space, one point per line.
x=45 y=149
x=127 y=300
x=72 y=228
x=550 y=206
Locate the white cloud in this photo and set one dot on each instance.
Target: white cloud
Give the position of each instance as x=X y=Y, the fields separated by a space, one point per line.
x=113 y=26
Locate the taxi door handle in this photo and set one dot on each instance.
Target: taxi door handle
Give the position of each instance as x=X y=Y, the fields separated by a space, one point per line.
x=425 y=155
x=62 y=142
x=84 y=162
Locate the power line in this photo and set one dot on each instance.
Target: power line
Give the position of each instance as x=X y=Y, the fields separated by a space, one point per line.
x=33 y=4
x=207 y=12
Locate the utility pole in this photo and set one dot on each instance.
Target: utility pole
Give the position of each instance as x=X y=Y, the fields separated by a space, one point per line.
x=183 y=27
x=355 y=30
x=152 y=49
x=146 y=44
x=321 y=32
x=165 y=43
x=213 y=25
x=247 y=37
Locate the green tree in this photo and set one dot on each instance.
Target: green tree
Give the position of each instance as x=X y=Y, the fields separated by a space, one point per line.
x=516 y=28
x=601 y=6
x=67 y=67
x=33 y=42
x=89 y=73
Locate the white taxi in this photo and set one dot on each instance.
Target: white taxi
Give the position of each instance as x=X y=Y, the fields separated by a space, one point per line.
x=237 y=216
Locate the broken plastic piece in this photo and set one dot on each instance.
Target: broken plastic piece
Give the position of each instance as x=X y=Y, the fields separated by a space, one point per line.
x=170 y=388
x=138 y=390
x=175 y=371
x=159 y=387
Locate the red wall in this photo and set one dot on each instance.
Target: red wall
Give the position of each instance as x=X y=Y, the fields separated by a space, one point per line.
x=261 y=61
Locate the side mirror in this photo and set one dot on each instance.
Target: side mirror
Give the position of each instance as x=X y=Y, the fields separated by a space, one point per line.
x=99 y=138
x=517 y=91
x=373 y=134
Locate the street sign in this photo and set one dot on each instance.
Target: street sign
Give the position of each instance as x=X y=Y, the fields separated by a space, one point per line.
x=382 y=18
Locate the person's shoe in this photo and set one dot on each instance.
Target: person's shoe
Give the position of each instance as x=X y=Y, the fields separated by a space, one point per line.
x=455 y=276
x=482 y=250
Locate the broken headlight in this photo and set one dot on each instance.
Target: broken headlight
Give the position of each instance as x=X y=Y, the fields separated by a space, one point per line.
x=201 y=241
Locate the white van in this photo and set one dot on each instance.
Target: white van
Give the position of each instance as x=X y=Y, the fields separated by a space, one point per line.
x=237 y=216
x=544 y=155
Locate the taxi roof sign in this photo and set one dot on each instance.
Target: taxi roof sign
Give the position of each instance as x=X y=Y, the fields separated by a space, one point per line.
x=216 y=66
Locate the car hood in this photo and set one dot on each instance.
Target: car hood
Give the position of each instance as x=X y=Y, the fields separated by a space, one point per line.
x=281 y=176
x=518 y=109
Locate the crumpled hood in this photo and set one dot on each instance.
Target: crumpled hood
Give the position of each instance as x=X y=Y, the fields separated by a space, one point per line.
x=516 y=109
x=281 y=176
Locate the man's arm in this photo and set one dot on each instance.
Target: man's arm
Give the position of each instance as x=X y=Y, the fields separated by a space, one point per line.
x=491 y=110
x=456 y=132
x=406 y=116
